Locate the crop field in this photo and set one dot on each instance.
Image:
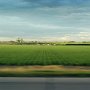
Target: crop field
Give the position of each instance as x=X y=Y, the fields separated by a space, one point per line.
x=44 y=55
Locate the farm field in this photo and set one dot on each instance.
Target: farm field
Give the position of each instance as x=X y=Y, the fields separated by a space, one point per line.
x=20 y=55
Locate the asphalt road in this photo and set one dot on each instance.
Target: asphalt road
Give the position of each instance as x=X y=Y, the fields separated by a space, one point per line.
x=44 y=83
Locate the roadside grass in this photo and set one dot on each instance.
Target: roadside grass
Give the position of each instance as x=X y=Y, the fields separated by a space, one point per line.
x=45 y=71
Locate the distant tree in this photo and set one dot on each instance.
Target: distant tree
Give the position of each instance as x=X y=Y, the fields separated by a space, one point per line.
x=22 y=41
x=19 y=41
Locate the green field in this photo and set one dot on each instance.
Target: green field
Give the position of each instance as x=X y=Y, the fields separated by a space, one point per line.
x=44 y=55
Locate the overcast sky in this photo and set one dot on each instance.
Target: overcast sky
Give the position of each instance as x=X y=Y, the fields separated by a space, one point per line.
x=45 y=19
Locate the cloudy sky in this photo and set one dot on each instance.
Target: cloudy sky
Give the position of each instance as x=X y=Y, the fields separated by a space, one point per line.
x=58 y=20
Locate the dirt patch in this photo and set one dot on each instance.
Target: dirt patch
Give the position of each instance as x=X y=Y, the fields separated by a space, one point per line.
x=51 y=67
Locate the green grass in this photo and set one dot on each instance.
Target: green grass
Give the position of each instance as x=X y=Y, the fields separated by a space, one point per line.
x=46 y=74
x=44 y=55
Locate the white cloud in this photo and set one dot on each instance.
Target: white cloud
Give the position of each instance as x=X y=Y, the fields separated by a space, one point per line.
x=7 y=38
x=66 y=38
x=81 y=36
x=84 y=34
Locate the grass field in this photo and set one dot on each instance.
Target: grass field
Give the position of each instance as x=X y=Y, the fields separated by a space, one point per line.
x=44 y=55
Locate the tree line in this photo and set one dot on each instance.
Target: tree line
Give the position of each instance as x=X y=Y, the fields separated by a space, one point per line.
x=21 y=41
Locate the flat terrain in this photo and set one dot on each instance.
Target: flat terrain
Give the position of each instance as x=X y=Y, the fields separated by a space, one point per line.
x=44 y=55
x=49 y=71
x=44 y=83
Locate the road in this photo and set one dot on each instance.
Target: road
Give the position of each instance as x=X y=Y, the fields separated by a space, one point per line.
x=44 y=83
